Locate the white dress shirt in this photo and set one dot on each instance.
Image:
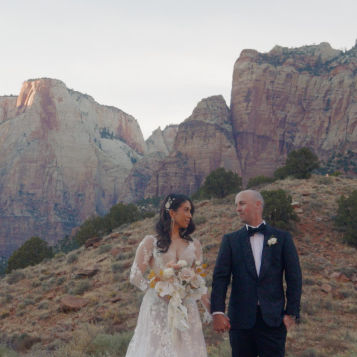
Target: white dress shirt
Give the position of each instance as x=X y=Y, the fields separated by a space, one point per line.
x=257 y=243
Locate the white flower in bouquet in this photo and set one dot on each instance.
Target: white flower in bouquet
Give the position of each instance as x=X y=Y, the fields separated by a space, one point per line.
x=197 y=281
x=182 y=263
x=180 y=318
x=163 y=288
x=168 y=272
x=186 y=274
x=198 y=262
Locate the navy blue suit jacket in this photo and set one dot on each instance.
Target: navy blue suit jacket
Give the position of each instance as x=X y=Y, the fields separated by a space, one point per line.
x=235 y=261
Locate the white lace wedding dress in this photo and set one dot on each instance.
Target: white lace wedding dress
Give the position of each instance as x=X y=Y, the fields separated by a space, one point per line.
x=152 y=337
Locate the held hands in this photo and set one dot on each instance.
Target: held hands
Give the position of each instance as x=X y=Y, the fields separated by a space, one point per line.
x=289 y=322
x=221 y=323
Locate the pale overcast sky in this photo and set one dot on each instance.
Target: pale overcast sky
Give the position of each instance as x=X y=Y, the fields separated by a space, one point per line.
x=156 y=59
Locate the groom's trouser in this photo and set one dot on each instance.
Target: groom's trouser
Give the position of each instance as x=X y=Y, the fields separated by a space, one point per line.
x=261 y=340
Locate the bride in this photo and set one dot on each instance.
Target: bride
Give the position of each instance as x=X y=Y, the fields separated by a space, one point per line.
x=153 y=337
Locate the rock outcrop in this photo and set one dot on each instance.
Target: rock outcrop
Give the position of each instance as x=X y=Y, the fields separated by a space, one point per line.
x=159 y=145
x=63 y=158
x=290 y=98
x=203 y=143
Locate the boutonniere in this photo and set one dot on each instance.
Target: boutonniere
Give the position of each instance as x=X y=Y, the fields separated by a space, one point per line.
x=273 y=240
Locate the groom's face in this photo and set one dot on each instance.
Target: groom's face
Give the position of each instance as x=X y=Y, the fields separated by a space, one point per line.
x=246 y=208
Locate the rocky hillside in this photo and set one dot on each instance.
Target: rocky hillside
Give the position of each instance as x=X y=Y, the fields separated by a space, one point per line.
x=63 y=158
x=33 y=300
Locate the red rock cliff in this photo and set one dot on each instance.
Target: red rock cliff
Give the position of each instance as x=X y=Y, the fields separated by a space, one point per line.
x=290 y=98
x=203 y=143
x=63 y=157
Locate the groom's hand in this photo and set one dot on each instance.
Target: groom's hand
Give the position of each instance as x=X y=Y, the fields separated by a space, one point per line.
x=289 y=322
x=221 y=323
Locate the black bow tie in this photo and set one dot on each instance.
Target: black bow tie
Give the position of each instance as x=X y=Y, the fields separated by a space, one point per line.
x=260 y=229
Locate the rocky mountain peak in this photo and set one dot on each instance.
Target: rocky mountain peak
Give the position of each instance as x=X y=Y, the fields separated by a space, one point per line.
x=156 y=142
x=212 y=110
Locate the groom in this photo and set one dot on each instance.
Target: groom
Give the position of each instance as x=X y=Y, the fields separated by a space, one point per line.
x=256 y=258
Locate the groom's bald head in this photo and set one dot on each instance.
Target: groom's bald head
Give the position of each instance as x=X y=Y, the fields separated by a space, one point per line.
x=249 y=206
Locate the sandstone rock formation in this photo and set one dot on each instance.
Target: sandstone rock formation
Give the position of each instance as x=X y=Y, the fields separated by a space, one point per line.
x=290 y=98
x=63 y=158
x=159 y=145
x=203 y=143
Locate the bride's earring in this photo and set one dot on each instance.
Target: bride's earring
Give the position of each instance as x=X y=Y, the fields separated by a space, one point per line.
x=172 y=224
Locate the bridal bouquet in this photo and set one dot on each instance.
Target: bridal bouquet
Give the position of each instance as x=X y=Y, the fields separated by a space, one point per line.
x=179 y=281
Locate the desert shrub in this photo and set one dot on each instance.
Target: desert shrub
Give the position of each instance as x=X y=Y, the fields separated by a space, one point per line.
x=73 y=257
x=4 y=314
x=299 y=164
x=277 y=208
x=104 y=248
x=310 y=352
x=90 y=340
x=31 y=253
x=28 y=302
x=82 y=287
x=336 y=173
x=43 y=305
x=220 y=183
x=346 y=217
x=15 y=277
x=348 y=271
x=118 y=267
x=259 y=180
x=200 y=220
x=44 y=316
x=60 y=280
x=4 y=351
x=6 y=298
x=323 y=180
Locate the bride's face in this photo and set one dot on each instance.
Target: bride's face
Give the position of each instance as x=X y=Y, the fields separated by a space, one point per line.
x=183 y=215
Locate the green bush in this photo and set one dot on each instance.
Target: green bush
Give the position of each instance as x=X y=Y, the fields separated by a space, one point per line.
x=121 y=213
x=32 y=252
x=346 y=217
x=220 y=183
x=299 y=164
x=278 y=210
x=336 y=173
x=118 y=215
x=92 y=227
x=200 y=195
x=66 y=245
x=259 y=180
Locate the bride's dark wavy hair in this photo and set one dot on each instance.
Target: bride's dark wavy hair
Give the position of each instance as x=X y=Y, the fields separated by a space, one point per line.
x=163 y=226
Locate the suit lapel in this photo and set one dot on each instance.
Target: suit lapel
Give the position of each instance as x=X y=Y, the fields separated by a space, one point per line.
x=248 y=253
x=266 y=255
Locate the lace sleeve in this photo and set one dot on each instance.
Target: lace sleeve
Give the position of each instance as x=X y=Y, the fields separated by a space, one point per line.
x=205 y=298
x=142 y=260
